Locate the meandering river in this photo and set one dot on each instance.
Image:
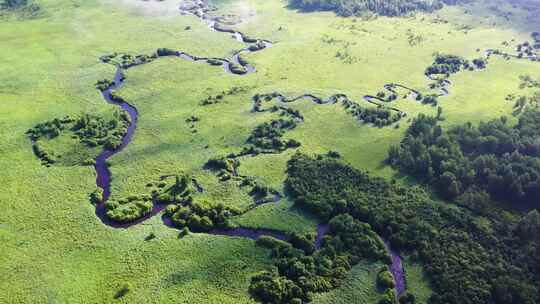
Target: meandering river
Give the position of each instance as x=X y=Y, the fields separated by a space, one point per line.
x=103 y=174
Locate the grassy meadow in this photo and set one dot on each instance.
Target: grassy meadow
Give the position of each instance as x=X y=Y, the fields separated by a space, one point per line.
x=55 y=250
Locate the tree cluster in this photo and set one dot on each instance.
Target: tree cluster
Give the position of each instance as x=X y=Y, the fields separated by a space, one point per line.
x=135 y=207
x=526 y=49
x=431 y=99
x=225 y=166
x=13 y=4
x=213 y=99
x=385 y=282
x=236 y=68
x=302 y=270
x=268 y=135
x=447 y=64
x=47 y=130
x=379 y=116
x=126 y=61
x=260 y=192
x=382 y=7
x=463 y=258
x=480 y=63
x=104 y=84
x=200 y=217
x=494 y=157
x=50 y=129
x=129 y=209
x=162 y=52
x=184 y=212
x=94 y=130
x=536 y=38
x=526 y=81
x=91 y=130
x=259 y=45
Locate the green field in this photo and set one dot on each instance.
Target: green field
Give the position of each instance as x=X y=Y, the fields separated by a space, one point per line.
x=55 y=249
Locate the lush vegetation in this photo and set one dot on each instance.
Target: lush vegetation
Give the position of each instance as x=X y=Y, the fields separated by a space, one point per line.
x=49 y=231
x=378 y=115
x=12 y=4
x=445 y=64
x=129 y=209
x=536 y=39
x=200 y=217
x=184 y=212
x=213 y=99
x=467 y=161
x=385 y=281
x=267 y=136
x=465 y=262
x=26 y=9
x=381 y=7
x=126 y=61
x=302 y=271
x=90 y=130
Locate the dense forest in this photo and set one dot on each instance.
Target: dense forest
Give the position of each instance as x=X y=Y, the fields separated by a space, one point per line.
x=471 y=163
x=303 y=270
x=469 y=259
x=381 y=7
x=12 y=4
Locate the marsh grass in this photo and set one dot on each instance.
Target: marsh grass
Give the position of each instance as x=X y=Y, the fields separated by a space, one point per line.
x=55 y=249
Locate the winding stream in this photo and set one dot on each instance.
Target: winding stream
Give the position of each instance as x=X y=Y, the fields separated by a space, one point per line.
x=396 y=268
x=103 y=174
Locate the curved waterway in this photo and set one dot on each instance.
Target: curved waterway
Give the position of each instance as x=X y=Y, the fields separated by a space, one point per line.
x=103 y=174
x=396 y=268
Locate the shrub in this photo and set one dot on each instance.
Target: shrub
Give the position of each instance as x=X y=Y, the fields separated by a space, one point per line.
x=199 y=224
x=96 y=197
x=183 y=232
x=200 y=217
x=104 y=84
x=128 y=211
x=237 y=68
x=385 y=279
x=215 y=62
x=480 y=63
x=150 y=236
x=268 y=135
x=166 y=52
x=430 y=99
x=388 y=297
x=222 y=163
x=305 y=243
x=268 y=288
x=271 y=242
x=407 y=298
x=124 y=290
x=333 y=154
x=447 y=64
x=89 y=162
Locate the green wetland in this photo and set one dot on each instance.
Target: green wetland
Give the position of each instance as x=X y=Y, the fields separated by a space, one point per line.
x=249 y=151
